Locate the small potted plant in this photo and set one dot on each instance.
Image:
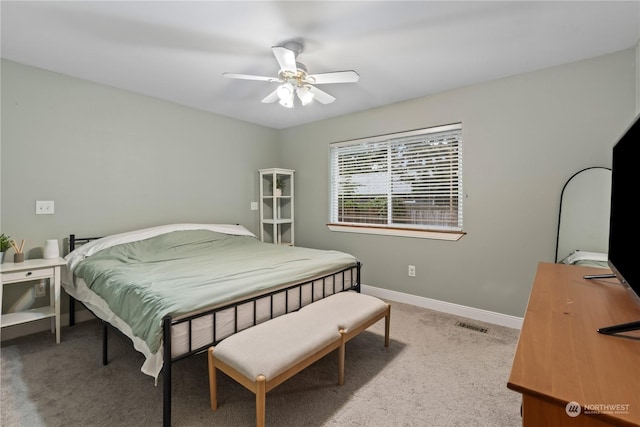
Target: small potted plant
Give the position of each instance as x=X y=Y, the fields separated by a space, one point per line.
x=5 y=243
x=279 y=186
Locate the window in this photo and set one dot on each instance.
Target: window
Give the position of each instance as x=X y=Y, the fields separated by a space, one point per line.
x=407 y=184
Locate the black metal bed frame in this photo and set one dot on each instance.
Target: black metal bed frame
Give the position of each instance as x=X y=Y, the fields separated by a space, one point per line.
x=168 y=322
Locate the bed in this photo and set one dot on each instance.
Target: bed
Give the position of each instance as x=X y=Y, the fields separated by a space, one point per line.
x=177 y=289
x=583 y=223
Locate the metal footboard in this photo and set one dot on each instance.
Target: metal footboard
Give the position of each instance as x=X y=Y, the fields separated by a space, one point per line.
x=353 y=274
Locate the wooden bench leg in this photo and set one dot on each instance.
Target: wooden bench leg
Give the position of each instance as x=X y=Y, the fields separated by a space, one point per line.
x=261 y=392
x=387 y=322
x=341 y=354
x=213 y=388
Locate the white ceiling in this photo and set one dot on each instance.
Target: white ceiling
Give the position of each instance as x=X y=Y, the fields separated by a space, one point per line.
x=177 y=50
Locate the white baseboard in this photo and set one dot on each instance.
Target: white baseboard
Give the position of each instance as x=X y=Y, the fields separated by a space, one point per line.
x=446 y=307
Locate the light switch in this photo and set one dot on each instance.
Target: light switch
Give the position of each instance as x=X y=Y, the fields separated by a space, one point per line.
x=44 y=207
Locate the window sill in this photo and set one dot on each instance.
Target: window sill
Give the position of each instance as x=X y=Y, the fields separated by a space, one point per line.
x=399 y=232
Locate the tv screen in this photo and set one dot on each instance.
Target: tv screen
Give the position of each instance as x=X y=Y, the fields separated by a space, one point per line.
x=624 y=233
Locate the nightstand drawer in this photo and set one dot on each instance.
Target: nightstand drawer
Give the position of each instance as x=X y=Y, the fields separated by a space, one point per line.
x=24 y=275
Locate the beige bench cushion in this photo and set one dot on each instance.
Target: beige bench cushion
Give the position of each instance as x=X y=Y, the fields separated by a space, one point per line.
x=272 y=347
x=348 y=309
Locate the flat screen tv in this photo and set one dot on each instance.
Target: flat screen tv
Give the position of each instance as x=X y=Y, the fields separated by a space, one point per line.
x=624 y=232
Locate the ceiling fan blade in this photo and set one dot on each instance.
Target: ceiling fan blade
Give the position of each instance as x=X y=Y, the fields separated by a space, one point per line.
x=348 y=76
x=272 y=97
x=321 y=96
x=286 y=58
x=250 y=77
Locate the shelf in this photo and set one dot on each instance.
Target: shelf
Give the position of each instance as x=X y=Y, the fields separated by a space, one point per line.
x=276 y=206
x=277 y=221
x=30 y=315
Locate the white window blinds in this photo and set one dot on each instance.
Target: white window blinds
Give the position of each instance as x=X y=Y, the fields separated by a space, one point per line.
x=407 y=180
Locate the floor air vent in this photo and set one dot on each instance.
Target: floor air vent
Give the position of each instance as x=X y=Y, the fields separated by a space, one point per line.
x=472 y=327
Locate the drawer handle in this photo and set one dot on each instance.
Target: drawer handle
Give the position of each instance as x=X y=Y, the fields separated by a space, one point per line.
x=29 y=273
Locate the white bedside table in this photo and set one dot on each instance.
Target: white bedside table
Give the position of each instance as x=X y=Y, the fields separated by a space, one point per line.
x=34 y=269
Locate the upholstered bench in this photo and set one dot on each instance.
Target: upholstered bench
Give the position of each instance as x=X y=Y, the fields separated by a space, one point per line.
x=352 y=312
x=264 y=356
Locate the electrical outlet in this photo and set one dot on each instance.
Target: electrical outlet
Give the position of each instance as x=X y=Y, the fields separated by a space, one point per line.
x=412 y=271
x=44 y=207
x=254 y=206
x=41 y=289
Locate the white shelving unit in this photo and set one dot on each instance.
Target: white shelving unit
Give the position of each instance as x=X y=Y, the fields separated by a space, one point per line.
x=276 y=206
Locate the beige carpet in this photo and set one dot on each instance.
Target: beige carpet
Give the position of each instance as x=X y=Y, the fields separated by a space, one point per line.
x=434 y=373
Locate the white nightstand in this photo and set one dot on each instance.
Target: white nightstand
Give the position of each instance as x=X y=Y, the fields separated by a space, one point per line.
x=34 y=269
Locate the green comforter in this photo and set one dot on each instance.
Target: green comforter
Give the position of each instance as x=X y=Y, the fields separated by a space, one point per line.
x=184 y=271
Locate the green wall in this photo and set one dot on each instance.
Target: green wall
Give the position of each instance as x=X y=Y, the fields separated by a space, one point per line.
x=113 y=160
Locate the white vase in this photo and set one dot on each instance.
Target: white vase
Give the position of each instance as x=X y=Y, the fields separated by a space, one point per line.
x=51 y=249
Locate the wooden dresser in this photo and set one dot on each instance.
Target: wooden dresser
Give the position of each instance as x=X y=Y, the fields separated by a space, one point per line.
x=569 y=374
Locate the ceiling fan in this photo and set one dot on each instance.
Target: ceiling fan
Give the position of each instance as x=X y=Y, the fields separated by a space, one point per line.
x=294 y=80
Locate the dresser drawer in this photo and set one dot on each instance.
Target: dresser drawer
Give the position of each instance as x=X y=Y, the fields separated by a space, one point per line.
x=24 y=275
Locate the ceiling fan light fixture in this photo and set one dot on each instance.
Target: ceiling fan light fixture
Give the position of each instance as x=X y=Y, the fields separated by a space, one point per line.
x=285 y=92
x=304 y=95
x=287 y=102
